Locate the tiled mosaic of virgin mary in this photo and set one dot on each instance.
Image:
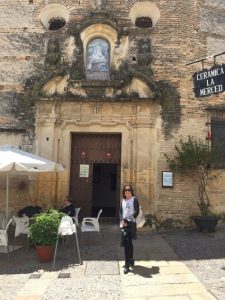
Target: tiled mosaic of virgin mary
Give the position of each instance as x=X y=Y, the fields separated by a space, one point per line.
x=98 y=60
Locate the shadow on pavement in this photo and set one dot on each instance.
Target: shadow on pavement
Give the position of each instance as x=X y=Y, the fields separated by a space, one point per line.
x=24 y=261
x=188 y=245
x=194 y=245
x=144 y=271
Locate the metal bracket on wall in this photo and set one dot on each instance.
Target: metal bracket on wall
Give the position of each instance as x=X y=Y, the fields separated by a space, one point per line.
x=204 y=59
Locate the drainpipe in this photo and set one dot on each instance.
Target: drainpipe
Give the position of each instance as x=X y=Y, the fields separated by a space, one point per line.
x=57 y=174
x=131 y=161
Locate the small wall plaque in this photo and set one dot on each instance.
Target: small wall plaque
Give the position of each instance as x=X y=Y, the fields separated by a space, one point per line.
x=84 y=171
x=167 y=179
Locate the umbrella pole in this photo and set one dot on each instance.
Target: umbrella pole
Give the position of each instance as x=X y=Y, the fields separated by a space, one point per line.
x=7 y=197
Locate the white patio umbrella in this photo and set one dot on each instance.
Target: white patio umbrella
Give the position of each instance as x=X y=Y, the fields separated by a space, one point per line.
x=13 y=159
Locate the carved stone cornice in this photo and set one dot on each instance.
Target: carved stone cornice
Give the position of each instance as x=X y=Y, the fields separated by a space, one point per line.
x=100 y=4
x=95 y=17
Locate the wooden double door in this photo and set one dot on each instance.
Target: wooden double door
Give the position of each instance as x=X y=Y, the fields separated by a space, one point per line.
x=95 y=173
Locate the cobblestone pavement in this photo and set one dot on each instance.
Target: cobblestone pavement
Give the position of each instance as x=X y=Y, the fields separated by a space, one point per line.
x=97 y=278
x=204 y=254
x=159 y=273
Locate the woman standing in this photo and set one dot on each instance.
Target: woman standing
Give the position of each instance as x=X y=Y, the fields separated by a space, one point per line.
x=129 y=210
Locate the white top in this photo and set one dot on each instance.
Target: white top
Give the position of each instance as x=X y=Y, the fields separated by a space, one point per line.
x=128 y=208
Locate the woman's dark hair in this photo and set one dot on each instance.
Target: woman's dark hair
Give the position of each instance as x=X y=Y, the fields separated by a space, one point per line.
x=131 y=189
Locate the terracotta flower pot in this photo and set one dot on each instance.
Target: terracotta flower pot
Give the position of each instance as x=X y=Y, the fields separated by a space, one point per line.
x=45 y=253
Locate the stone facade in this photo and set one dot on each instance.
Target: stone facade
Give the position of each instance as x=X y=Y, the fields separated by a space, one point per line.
x=148 y=97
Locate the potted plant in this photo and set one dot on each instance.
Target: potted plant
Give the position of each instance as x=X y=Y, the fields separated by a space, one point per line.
x=197 y=159
x=43 y=233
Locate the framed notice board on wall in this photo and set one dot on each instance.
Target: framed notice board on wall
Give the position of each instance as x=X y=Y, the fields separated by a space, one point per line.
x=84 y=170
x=167 y=179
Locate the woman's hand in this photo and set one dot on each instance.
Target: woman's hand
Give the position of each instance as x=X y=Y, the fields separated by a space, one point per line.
x=124 y=224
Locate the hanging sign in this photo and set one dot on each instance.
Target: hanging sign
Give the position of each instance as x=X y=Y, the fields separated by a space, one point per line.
x=84 y=170
x=209 y=81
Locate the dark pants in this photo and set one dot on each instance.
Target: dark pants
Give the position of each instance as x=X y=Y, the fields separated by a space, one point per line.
x=126 y=242
x=128 y=250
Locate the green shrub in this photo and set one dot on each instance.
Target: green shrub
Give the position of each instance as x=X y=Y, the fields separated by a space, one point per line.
x=44 y=228
x=197 y=159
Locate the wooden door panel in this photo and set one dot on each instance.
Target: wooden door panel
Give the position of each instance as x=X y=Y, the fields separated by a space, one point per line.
x=89 y=149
